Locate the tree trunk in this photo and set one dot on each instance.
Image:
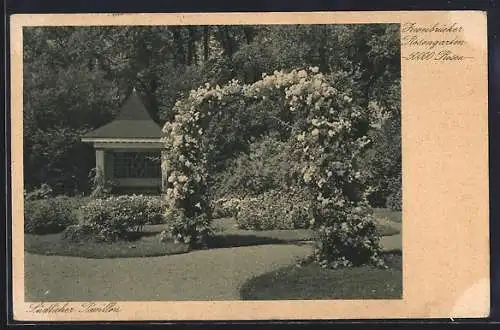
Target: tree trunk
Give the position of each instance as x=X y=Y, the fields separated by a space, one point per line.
x=225 y=40
x=323 y=62
x=191 y=51
x=206 y=49
x=180 y=57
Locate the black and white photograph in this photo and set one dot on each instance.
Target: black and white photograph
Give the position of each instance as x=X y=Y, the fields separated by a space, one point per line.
x=212 y=162
x=249 y=166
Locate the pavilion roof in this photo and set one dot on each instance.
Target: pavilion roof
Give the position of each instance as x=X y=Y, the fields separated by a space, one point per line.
x=133 y=121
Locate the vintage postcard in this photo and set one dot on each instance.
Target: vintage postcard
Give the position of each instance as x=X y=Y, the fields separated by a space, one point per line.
x=249 y=166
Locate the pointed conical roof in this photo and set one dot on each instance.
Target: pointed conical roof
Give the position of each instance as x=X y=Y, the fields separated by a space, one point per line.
x=133 y=121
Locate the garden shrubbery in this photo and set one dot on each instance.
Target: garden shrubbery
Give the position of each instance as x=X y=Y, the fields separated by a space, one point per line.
x=43 y=192
x=381 y=164
x=395 y=198
x=275 y=209
x=115 y=218
x=346 y=238
x=225 y=207
x=194 y=231
x=267 y=166
x=49 y=215
x=326 y=131
x=256 y=177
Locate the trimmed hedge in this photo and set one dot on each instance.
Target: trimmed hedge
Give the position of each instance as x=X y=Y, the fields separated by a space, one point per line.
x=275 y=209
x=225 y=207
x=49 y=215
x=116 y=218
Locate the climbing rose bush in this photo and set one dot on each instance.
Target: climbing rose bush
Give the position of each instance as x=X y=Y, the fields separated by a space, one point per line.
x=194 y=231
x=327 y=145
x=185 y=160
x=348 y=237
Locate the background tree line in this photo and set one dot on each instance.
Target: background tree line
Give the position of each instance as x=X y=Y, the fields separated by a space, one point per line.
x=75 y=78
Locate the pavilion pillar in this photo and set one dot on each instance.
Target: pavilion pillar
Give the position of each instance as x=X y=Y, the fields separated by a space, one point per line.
x=100 y=162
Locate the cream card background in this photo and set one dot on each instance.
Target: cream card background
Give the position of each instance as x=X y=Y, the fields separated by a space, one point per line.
x=445 y=178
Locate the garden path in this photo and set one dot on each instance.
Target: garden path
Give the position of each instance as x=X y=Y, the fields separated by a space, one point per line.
x=215 y=274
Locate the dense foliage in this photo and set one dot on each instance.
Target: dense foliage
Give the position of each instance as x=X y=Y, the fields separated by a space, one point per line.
x=76 y=77
x=348 y=237
x=328 y=133
x=381 y=163
x=193 y=231
x=266 y=166
x=116 y=218
x=275 y=209
x=49 y=215
x=250 y=112
x=42 y=192
x=225 y=207
x=395 y=198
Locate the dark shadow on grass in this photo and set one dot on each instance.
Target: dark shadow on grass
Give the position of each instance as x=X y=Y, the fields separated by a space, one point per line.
x=135 y=236
x=310 y=281
x=235 y=240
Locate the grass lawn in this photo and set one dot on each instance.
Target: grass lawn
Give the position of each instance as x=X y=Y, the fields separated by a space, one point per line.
x=147 y=246
x=313 y=282
x=388 y=223
x=381 y=213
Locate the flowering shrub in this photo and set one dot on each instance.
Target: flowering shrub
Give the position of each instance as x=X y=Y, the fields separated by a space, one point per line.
x=49 y=215
x=275 y=209
x=80 y=233
x=193 y=231
x=185 y=161
x=327 y=139
x=115 y=218
x=347 y=238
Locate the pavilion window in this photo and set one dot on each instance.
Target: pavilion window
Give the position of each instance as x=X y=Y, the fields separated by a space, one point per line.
x=137 y=165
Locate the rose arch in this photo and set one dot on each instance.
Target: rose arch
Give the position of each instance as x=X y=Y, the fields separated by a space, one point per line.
x=326 y=146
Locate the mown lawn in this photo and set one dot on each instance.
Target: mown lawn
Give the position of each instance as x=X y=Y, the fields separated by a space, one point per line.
x=313 y=282
x=148 y=245
x=310 y=281
x=381 y=213
x=388 y=223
